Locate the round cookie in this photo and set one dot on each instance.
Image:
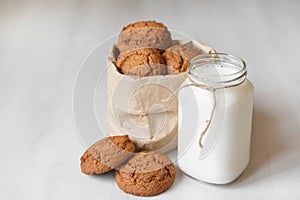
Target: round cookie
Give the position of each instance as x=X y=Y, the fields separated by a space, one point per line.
x=146 y=174
x=177 y=58
x=142 y=62
x=107 y=154
x=144 y=34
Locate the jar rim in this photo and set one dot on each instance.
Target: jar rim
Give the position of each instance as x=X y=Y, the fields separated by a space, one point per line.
x=218 y=59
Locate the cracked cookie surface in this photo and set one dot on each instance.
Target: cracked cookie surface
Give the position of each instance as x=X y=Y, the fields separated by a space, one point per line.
x=146 y=174
x=142 y=62
x=107 y=154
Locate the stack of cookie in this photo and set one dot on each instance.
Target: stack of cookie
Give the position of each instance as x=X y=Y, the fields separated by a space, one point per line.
x=146 y=49
x=145 y=70
x=144 y=173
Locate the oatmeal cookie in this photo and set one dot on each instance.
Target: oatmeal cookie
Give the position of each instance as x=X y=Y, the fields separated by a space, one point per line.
x=142 y=62
x=107 y=154
x=146 y=174
x=177 y=58
x=144 y=34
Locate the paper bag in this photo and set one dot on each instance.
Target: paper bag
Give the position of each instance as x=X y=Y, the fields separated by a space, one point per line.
x=145 y=108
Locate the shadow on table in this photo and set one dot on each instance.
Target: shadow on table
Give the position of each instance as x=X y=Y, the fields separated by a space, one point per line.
x=267 y=145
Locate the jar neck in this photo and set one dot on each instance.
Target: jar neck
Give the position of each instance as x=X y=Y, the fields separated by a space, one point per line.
x=217 y=70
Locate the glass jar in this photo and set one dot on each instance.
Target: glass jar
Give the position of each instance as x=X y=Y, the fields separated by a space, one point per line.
x=215 y=116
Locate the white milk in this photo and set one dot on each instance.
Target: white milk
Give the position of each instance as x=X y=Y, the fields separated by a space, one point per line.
x=226 y=143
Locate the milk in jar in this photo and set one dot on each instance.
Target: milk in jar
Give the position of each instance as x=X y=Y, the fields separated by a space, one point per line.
x=215 y=116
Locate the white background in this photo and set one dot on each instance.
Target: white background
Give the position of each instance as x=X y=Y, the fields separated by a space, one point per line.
x=42 y=44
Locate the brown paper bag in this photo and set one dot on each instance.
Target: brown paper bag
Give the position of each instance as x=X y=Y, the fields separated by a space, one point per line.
x=145 y=108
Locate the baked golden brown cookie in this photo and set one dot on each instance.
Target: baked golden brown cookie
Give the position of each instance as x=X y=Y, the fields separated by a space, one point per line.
x=142 y=62
x=144 y=34
x=107 y=154
x=146 y=174
x=177 y=58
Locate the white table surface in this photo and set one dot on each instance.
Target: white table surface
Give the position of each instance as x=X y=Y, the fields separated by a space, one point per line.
x=42 y=44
